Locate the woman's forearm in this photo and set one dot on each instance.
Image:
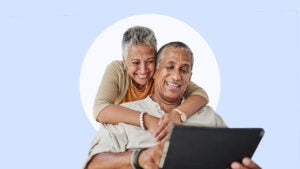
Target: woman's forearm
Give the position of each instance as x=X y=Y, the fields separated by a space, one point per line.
x=115 y=114
x=192 y=104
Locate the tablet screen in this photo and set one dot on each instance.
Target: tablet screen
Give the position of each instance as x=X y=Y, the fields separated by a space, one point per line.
x=192 y=147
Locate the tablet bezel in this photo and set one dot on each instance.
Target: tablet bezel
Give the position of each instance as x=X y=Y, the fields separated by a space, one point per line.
x=196 y=147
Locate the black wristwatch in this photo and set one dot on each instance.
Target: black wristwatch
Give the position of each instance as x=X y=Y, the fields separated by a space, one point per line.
x=135 y=157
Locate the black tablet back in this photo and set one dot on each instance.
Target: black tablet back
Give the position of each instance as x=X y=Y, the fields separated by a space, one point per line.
x=191 y=147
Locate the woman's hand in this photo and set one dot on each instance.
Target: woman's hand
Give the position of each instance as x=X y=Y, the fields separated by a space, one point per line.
x=151 y=123
x=164 y=122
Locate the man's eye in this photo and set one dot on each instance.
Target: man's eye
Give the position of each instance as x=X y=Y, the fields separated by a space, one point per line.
x=170 y=67
x=184 y=70
x=135 y=63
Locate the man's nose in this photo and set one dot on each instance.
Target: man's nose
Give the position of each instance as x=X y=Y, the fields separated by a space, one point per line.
x=176 y=75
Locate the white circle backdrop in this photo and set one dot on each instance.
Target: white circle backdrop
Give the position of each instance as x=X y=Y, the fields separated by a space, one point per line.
x=107 y=47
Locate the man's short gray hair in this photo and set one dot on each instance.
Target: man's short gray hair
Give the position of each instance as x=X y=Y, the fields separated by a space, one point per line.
x=138 y=35
x=175 y=44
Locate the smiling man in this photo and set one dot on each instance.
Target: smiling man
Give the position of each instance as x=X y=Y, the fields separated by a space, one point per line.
x=127 y=146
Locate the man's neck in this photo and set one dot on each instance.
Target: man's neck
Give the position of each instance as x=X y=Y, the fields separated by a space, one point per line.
x=166 y=105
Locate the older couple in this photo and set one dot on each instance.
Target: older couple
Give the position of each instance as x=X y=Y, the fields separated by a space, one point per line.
x=131 y=134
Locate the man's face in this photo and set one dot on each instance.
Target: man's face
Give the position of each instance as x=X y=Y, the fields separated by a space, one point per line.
x=140 y=64
x=173 y=74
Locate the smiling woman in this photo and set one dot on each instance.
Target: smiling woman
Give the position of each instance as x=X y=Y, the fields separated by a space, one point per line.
x=105 y=49
x=140 y=64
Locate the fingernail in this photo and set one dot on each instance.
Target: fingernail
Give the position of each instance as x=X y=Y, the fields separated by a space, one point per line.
x=235 y=165
x=246 y=161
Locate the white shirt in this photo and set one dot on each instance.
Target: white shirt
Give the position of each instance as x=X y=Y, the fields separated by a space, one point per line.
x=123 y=137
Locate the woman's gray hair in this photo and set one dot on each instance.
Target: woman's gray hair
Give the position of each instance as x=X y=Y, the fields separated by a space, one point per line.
x=175 y=44
x=138 y=35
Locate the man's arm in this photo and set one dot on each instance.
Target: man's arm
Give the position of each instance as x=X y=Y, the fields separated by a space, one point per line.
x=148 y=158
x=110 y=160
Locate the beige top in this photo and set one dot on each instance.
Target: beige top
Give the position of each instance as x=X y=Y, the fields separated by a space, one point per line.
x=123 y=137
x=115 y=83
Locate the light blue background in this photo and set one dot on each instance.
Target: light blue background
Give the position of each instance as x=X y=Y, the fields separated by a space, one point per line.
x=43 y=44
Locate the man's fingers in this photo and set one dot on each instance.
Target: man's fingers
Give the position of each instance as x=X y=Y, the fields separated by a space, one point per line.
x=250 y=163
x=247 y=163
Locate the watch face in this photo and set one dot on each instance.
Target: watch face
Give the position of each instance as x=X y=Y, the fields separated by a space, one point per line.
x=183 y=117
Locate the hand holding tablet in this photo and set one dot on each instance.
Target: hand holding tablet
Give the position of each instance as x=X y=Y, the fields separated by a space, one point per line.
x=192 y=147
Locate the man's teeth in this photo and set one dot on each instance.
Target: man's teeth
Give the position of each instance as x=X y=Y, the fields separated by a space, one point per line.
x=173 y=85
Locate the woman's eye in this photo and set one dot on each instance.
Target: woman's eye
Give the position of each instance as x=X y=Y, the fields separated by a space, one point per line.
x=150 y=61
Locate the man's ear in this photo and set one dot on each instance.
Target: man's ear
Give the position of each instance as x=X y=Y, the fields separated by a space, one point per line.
x=190 y=77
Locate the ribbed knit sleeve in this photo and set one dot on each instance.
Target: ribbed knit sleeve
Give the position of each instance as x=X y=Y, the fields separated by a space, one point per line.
x=113 y=87
x=194 y=89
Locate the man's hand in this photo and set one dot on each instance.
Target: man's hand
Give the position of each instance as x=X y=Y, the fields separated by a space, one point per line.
x=247 y=163
x=150 y=158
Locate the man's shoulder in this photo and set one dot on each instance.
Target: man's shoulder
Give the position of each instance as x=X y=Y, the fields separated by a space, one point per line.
x=132 y=103
x=207 y=116
x=137 y=105
x=206 y=110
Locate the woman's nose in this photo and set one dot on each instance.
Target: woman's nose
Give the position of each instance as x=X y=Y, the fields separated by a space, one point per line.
x=143 y=68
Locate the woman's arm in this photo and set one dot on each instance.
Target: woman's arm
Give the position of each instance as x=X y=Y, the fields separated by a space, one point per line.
x=115 y=114
x=112 y=89
x=196 y=98
x=192 y=104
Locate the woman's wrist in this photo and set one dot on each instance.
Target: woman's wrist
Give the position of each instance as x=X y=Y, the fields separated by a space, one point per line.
x=141 y=119
x=182 y=115
x=150 y=122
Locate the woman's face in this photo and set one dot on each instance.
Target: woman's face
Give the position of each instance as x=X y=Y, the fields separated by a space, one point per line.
x=140 y=64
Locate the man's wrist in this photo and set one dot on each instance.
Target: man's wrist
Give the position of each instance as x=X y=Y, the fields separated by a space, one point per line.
x=135 y=158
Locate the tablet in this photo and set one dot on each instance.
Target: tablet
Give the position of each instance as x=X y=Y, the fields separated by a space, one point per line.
x=192 y=147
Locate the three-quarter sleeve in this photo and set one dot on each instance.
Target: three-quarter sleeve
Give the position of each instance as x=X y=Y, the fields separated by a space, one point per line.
x=194 y=89
x=112 y=87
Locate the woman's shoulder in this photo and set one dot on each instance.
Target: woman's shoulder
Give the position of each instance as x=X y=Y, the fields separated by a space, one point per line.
x=116 y=65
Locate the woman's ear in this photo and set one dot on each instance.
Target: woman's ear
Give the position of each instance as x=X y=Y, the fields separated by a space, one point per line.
x=124 y=63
